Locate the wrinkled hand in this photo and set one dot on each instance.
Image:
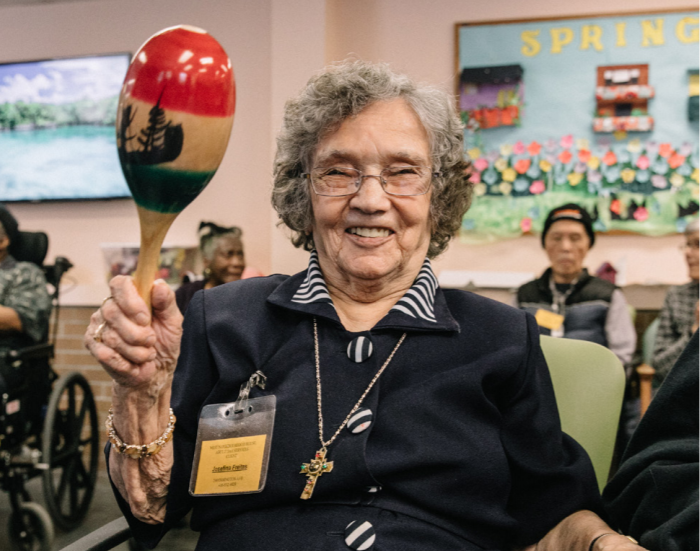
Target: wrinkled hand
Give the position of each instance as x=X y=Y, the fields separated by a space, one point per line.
x=616 y=542
x=138 y=348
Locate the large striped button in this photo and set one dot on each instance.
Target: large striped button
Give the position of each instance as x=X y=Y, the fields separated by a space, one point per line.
x=360 y=420
x=359 y=535
x=359 y=349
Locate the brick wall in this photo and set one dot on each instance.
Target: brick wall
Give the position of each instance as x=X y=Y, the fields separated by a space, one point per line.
x=71 y=355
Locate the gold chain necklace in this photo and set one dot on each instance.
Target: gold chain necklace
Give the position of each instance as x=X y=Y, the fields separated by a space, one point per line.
x=318 y=465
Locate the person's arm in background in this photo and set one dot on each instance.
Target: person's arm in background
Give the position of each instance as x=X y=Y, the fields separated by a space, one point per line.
x=619 y=329
x=9 y=320
x=27 y=305
x=654 y=493
x=669 y=343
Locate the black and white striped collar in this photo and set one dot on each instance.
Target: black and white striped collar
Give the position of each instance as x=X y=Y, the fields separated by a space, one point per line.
x=423 y=306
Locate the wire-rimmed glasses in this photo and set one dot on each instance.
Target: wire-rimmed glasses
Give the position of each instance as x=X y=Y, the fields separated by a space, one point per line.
x=401 y=181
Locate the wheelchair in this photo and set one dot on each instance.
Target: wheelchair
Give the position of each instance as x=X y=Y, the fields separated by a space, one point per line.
x=48 y=427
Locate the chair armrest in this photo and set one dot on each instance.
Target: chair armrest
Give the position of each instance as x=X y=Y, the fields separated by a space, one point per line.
x=43 y=350
x=104 y=538
x=646 y=374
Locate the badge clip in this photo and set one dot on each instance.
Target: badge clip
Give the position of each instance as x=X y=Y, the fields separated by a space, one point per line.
x=256 y=379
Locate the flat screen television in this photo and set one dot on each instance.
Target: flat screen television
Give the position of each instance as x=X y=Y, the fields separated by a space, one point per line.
x=57 y=136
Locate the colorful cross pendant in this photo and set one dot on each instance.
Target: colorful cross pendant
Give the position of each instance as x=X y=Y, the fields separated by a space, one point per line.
x=313 y=470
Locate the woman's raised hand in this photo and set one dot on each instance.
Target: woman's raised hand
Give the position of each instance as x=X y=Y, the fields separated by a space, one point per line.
x=138 y=348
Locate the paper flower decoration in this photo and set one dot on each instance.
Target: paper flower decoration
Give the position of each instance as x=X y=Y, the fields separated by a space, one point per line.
x=567 y=141
x=627 y=175
x=665 y=150
x=676 y=160
x=519 y=148
x=481 y=164
x=505 y=188
x=659 y=181
x=609 y=158
x=575 y=178
x=676 y=180
x=537 y=187
x=643 y=162
x=509 y=175
x=522 y=165
x=641 y=214
x=534 y=148
x=634 y=146
x=565 y=156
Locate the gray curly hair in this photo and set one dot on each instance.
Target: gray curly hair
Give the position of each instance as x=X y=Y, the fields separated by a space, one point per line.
x=210 y=234
x=343 y=91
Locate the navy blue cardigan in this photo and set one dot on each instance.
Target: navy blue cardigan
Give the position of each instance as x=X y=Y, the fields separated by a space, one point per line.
x=465 y=445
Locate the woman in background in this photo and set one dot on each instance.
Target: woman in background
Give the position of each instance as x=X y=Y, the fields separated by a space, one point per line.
x=223 y=259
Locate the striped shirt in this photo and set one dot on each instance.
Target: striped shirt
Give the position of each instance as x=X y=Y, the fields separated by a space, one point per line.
x=418 y=302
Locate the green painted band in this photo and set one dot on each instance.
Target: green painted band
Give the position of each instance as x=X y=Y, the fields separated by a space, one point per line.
x=164 y=190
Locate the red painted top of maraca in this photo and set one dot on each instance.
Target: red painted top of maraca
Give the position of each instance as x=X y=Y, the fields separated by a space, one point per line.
x=187 y=69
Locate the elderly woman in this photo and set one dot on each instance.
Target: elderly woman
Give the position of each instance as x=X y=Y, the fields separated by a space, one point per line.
x=408 y=417
x=223 y=259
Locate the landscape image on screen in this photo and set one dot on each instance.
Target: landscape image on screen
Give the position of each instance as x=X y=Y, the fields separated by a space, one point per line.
x=57 y=137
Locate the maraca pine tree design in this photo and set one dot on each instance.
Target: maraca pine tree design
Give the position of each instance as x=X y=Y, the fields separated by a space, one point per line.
x=161 y=141
x=174 y=119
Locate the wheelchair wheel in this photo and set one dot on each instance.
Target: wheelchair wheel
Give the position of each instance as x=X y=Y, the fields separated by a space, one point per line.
x=70 y=448
x=37 y=534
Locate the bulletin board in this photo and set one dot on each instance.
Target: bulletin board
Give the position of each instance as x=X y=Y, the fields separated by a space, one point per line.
x=597 y=110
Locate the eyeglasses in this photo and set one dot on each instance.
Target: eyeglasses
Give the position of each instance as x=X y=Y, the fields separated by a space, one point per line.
x=401 y=181
x=693 y=246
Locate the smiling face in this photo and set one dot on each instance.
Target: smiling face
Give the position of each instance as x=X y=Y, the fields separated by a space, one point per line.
x=566 y=245
x=227 y=263
x=372 y=238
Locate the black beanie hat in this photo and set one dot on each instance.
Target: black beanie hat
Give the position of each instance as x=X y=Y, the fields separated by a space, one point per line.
x=570 y=211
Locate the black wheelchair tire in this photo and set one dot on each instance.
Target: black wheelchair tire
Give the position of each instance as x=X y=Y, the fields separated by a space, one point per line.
x=70 y=470
x=39 y=534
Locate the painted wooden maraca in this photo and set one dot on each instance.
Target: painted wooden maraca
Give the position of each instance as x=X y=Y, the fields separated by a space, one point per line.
x=174 y=120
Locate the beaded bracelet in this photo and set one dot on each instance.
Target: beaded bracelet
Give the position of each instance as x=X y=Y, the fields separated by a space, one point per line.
x=136 y=451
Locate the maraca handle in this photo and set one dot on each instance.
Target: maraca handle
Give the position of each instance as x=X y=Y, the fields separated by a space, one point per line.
x=154 y=226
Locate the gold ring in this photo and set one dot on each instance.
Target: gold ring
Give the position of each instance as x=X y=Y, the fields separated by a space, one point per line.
x=97 y=337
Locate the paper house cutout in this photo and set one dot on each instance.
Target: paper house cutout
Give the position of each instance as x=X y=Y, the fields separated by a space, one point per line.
x=622 y=99
x=490 y=97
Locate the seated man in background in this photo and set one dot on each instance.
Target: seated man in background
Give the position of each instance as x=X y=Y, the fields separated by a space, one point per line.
x=25 y=304
x=568 y=302
x=678 y=319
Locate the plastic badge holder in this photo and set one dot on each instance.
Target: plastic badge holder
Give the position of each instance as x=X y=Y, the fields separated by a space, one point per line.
x=232 y=453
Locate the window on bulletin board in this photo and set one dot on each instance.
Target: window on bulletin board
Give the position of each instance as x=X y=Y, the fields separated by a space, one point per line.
x=596 y=110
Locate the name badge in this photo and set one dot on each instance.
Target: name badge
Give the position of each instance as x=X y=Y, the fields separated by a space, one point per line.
x=232 y=453
x=549 y=320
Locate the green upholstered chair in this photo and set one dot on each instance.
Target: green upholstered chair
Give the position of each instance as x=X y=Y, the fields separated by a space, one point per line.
x=589 y=385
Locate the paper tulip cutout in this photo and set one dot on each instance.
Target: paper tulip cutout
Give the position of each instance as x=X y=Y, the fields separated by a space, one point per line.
x=174 y=120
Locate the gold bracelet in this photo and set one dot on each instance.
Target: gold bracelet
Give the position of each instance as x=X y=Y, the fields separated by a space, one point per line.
x=136 y=451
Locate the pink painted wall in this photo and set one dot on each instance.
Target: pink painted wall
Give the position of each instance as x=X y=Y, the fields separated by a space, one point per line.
x=275 y=45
